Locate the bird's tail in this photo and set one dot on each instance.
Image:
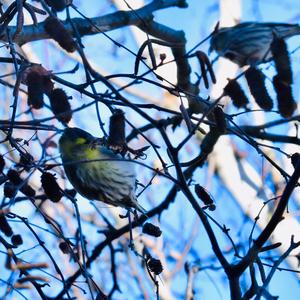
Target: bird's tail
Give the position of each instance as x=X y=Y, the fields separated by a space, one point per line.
x=287 y=30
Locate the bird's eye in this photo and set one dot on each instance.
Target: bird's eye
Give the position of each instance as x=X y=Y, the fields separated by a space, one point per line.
x=95 y=143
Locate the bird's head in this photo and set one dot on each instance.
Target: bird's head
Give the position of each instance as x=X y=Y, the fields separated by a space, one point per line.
x=73 y=140
x=219 y=40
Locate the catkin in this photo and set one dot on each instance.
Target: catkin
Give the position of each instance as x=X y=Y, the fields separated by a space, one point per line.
x=57 y=31
x=58 y=5
x=286 y=102
x=237 y=95
x=60 y=105
x=256 y=82
x=282 y=60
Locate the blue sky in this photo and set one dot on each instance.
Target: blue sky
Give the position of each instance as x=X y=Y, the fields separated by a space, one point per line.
x=197 y=21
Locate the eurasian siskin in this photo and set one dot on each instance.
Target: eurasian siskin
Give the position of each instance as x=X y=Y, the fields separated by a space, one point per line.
x=96 y=172
x=249 y=43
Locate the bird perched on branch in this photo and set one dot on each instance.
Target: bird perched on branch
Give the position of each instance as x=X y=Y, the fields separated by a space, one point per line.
x=96 y=172
x=249 y=43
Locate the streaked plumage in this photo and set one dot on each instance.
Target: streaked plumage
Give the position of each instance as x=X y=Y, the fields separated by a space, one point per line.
x=107 y=177
x=249 y=43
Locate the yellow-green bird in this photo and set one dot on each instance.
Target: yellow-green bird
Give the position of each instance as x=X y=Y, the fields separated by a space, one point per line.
x=96 y=172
